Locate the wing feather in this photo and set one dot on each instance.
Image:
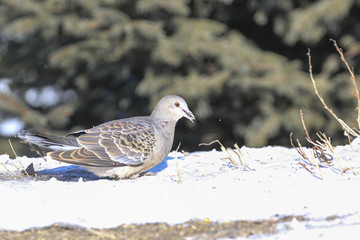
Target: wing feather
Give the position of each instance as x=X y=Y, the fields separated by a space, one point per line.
x=82 y=157
x=125 y=142
x=115 y=143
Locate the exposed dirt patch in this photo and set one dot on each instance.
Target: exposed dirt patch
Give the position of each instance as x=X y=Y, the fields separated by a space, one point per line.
x=197 y=229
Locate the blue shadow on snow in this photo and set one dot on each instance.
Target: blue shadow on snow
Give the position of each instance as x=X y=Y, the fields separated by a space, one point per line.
x=72 y=173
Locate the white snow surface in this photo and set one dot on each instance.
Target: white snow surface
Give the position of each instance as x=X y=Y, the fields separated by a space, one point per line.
x=273 y=185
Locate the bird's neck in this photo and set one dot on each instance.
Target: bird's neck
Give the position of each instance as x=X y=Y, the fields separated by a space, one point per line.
x=163 y=118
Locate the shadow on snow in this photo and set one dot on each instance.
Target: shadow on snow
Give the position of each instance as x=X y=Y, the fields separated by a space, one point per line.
x=73 y=173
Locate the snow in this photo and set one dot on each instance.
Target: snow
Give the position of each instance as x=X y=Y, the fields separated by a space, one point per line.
x=272 y=185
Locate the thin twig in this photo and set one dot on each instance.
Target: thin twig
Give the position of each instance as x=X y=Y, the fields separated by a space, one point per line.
x=16 y=157
x=346 y=128
x=302 y=153
x=304 y=166
x=13 y=174
x=239 y=156
x=325 y=143
x=299 y=149
x=316 y=146
x=353 y=79
x=223 y=149
x=11 y=146
x=177 y=164
x=185 y=153
x=210 y=143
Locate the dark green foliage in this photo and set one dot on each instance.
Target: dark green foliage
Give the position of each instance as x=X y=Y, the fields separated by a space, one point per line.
x=122 y=56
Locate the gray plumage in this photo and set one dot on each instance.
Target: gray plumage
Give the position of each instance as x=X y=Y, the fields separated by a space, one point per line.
x=119 y=148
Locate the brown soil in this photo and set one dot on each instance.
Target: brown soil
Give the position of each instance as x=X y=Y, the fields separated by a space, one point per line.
x=197 y=229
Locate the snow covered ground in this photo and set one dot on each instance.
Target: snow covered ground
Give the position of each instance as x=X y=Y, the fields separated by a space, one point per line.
x=273 y=185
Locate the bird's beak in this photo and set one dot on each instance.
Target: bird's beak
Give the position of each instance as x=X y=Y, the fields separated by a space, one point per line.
x=189 y=115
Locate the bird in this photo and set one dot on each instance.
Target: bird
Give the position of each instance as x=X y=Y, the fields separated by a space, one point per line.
x=118 y=149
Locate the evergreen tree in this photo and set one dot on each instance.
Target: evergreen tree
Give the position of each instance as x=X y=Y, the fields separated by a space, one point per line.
x=241 y=65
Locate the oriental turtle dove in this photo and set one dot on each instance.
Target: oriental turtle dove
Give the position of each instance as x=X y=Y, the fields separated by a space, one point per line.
x=120 y=148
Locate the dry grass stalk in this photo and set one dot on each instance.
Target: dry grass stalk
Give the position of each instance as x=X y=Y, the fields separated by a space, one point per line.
x=177 y=164
x=16 y=157
x=306 y=158
x=185 y=153
x=325 y=142
x=348 y=130
x=228 y=152
x=239 y=155
x=18 y=173
x=21 y=171
x=318 y=148
x=299 y=149
x=11 y=173
x=319 y=156
x=223 y=149
x=353 y=79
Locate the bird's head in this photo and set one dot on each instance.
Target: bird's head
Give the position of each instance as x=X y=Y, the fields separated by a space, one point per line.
x=172 y=108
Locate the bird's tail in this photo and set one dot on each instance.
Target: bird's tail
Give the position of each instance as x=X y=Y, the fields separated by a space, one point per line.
x=48 y=142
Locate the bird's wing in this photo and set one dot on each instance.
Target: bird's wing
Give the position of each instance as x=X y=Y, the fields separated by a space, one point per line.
x=122 y=141
x=82 y=157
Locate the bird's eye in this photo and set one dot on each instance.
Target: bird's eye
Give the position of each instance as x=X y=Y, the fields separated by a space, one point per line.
x=177 y=104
